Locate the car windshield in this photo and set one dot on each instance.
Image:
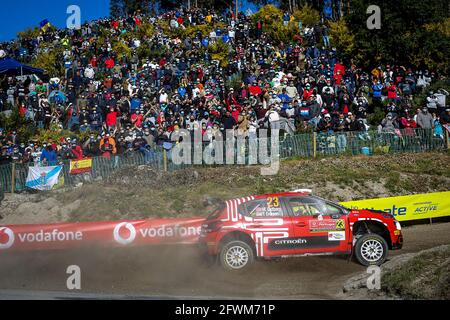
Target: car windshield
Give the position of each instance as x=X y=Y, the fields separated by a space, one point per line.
x=328 y=203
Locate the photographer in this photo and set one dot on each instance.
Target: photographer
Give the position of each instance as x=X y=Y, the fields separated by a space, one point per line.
x=108 y=146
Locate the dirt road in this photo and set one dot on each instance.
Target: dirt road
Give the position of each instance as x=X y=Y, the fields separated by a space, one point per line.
x=180 y=272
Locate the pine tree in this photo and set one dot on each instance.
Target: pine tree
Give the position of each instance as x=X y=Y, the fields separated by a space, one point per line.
x=129 y=7
x=115 y=8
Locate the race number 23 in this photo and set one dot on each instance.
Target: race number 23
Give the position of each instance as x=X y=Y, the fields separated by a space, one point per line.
x=273 y=202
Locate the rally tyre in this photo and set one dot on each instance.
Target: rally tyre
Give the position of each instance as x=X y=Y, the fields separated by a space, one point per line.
x=236 y=256
x=371 y=249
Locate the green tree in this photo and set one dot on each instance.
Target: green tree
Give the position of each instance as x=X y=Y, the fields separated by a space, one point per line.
x=307 y=15
x=406 y=33
x=50 y=61
x=123 y=7
x=341 y=38
x=115 y=8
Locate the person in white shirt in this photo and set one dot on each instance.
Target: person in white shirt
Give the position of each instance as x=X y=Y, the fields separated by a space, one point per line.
x=212 y=35
x=195 y=92
x=231 y=33
x=328 y=88
x=319 y=100
x=163 y=97
x=89 y=72
x=274 y=118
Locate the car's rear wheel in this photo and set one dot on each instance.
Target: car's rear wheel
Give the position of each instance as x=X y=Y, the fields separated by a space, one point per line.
x=371 y=249
x=236 y=255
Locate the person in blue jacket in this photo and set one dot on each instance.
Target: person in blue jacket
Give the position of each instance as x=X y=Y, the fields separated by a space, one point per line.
x=48 y=156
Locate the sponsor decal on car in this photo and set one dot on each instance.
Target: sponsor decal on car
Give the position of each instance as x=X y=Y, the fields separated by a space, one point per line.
x=336 y=236
x=326 y=225
x=300 y=243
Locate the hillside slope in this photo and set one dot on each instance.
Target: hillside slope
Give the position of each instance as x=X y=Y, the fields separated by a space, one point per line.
x=142 y=192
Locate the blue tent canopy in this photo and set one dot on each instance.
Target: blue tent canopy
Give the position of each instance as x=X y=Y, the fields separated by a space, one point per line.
x=9 y=65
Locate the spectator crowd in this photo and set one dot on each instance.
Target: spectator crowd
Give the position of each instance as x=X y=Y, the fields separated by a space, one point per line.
x=113 y=104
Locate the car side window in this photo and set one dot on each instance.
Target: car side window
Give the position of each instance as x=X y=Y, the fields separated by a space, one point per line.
x=331 y=209
x=267 y=207
x=305 y=206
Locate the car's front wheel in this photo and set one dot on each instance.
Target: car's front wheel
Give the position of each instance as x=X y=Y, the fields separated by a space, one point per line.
x=236 y=255
x=371 y=249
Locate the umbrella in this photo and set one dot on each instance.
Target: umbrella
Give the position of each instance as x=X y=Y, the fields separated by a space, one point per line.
x=57 y=97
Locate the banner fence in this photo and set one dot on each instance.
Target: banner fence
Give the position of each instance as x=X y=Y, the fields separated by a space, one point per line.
x=109 y=234
x=408 y=208
x=308 y=145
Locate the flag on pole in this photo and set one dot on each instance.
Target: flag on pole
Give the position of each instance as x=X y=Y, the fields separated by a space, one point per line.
x=43 y=178
x=44 y=24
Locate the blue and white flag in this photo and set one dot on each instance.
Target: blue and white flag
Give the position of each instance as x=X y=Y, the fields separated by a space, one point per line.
x=43 y=178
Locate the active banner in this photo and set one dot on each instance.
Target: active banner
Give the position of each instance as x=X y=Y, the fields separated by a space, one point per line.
x=80 y=166
x=114 y=233
x=406 y=208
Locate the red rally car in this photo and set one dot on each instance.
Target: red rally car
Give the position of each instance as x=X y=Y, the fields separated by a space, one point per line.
x=296 y=224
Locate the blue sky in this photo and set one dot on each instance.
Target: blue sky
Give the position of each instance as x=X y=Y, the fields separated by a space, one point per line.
x=18 y=15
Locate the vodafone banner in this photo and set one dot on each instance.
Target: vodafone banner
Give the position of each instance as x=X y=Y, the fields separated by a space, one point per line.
x=113 y=233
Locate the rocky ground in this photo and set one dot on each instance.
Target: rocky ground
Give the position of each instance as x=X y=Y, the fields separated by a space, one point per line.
x=142 y=192
x=420 y=275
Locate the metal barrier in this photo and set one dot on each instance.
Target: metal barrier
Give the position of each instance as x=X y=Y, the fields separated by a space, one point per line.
x=13 y=175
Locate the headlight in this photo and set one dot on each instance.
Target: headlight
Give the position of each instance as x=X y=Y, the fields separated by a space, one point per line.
x=398 y=225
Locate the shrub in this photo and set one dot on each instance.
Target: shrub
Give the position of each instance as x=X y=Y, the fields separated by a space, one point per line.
x=307 y=15
x=234 y=82
x=16 y=122
x=341 y=37
x=219 y=50
x=55 y=133
x=50 y=62
x=29 y=33
x=269 y=14
x=375 y=118
x=121 y=49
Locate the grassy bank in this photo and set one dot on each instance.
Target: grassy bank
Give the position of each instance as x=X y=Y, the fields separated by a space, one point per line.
x=426 y=276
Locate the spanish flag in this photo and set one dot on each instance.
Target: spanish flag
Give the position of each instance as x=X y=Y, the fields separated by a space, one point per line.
x=80 y=166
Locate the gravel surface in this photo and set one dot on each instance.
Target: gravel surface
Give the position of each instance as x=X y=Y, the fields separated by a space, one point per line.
x=161 y=272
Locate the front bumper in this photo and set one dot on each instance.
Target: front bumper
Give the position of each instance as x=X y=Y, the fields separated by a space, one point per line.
x=397 y=244
x=208 y=244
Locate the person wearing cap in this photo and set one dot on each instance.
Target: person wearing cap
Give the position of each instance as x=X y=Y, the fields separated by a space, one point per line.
x=432 y=102
x=389 y=124
x=340 y=125
x=392 y=92
x=76 y=149
x=65 y=152
x=255 y=89
x=111 y=118
x=425 y=119
x=242 y=124
x=108 y=146
x=48 y=155
x=325 y=124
